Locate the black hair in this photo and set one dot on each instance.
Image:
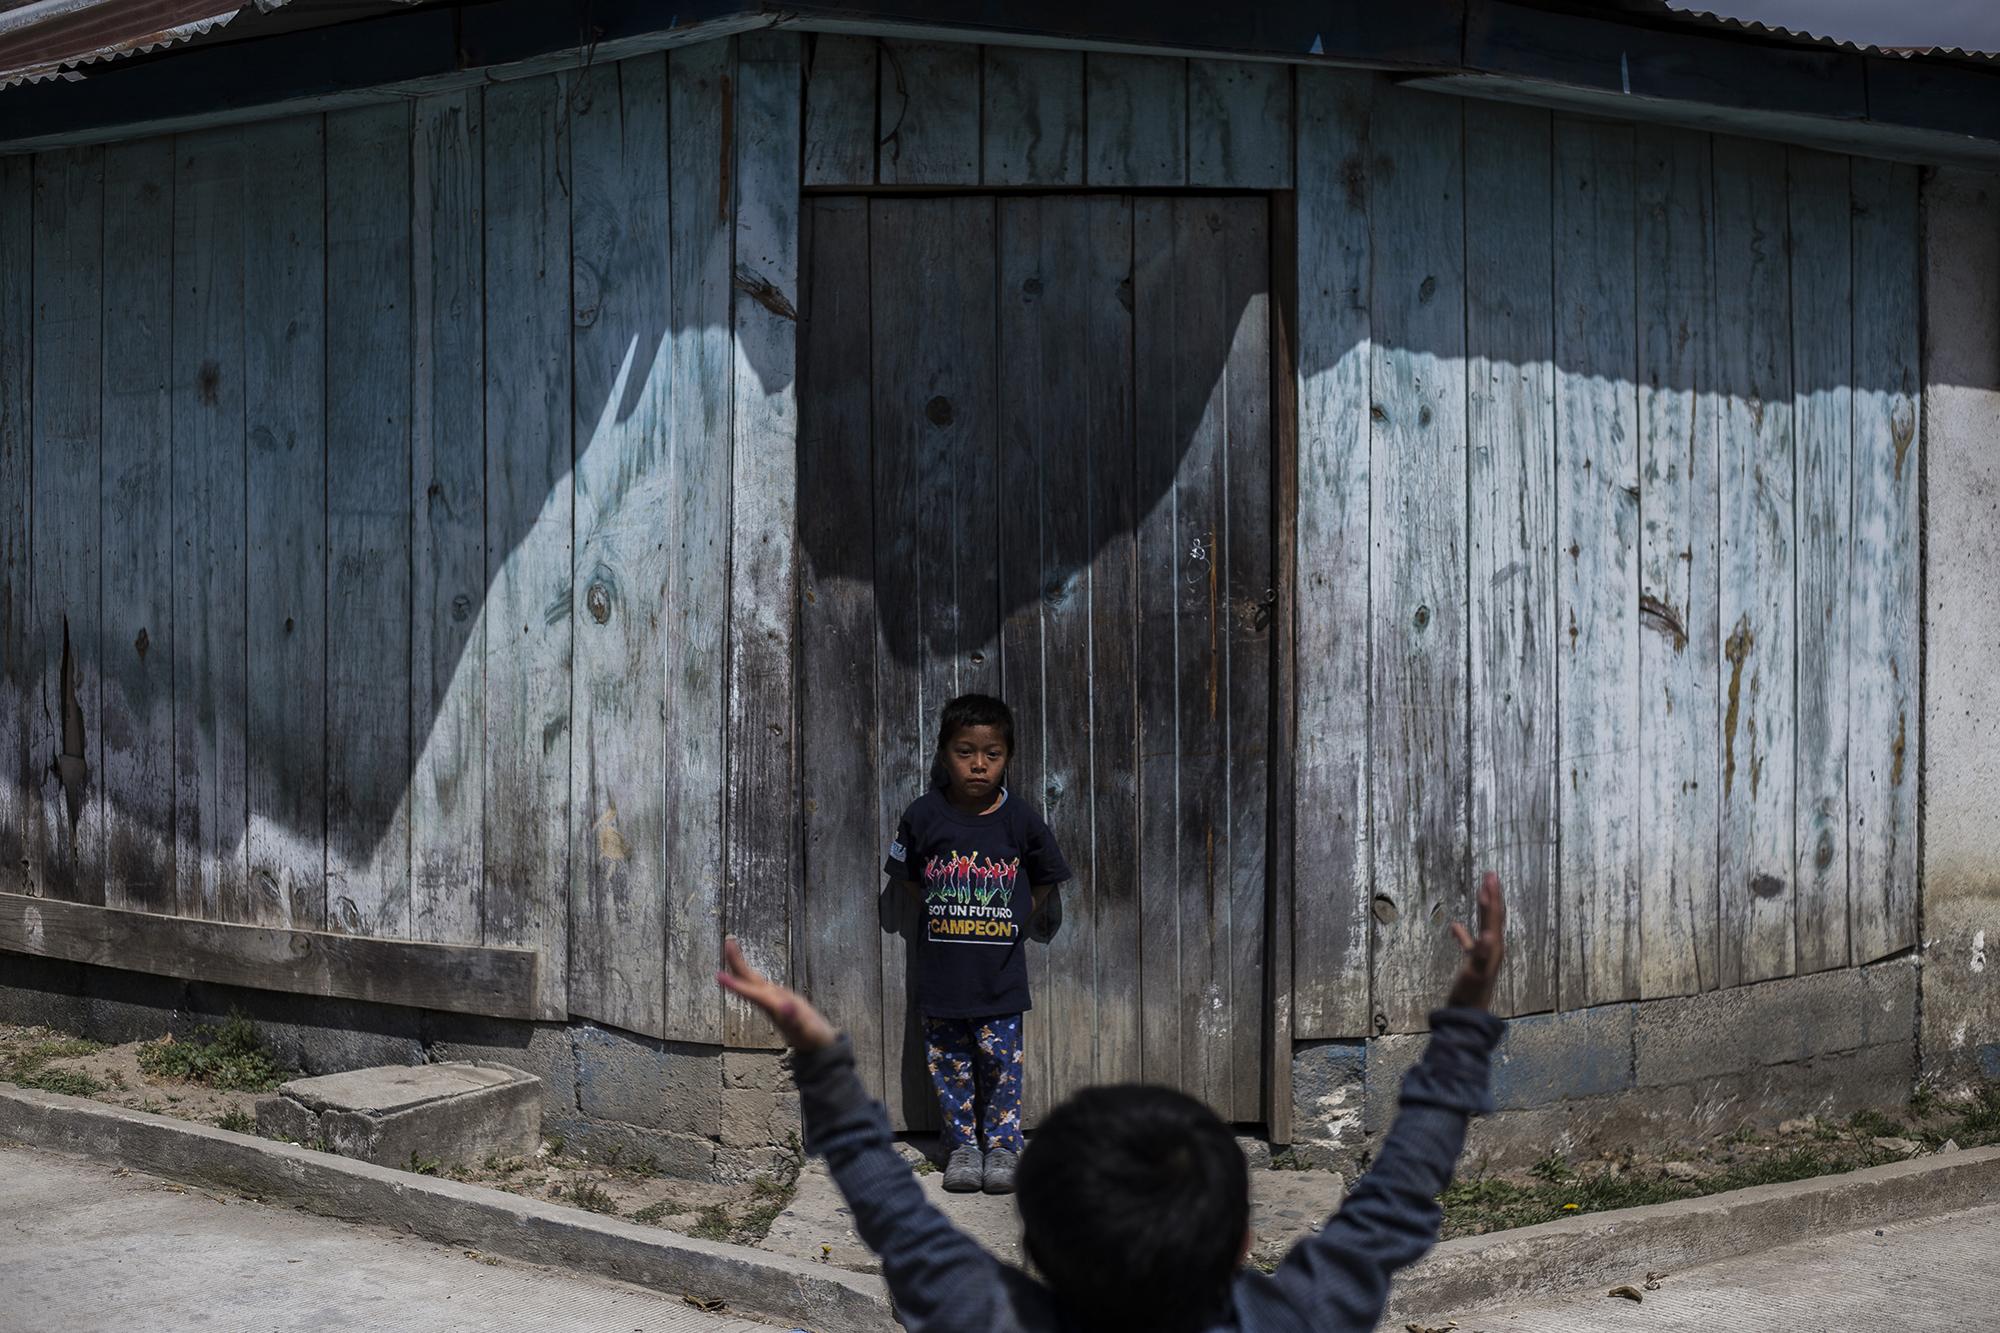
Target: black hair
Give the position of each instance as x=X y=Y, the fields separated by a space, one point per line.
x=1134 y=1205
x=975 y=710
x=969 y=710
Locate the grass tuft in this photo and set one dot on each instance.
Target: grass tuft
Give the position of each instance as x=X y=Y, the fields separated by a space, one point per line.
x=593 y=1196
x=240 y=1122
x=232 y=1057
x=69 y=1082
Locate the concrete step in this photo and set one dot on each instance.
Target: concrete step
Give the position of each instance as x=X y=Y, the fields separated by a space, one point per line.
x=454 y=1114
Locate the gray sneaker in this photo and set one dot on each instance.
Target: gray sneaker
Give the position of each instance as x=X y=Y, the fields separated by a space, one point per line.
x=963 y=1171
x=1000 y=1171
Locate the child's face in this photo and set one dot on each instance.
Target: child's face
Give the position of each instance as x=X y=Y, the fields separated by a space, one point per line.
x=976 y=759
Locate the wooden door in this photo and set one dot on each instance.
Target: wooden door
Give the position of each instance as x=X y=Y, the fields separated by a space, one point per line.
x=1035 y=460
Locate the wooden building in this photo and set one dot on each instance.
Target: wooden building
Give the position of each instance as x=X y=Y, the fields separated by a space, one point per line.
x=488 y=506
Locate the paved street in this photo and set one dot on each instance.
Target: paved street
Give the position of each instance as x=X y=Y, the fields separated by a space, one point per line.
x=84 y=1248
x=1933 y=1276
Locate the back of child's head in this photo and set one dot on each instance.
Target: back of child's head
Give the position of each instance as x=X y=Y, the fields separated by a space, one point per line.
x=1135 y=1202
x=975 y=710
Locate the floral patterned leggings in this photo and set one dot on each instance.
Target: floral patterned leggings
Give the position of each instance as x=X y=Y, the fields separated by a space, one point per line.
x=975 y=1066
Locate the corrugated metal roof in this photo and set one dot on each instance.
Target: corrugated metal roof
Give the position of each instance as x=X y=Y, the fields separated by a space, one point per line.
x=1707 y=18
x=54 y=39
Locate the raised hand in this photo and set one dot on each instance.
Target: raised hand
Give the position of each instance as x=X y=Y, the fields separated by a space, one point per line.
x=801 y=1025
x=1472 y=988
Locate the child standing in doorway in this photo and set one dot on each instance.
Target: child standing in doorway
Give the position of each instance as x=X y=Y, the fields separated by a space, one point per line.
x=983 y=862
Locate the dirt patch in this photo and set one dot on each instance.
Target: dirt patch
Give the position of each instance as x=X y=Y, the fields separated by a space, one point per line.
x=1482 y=1201
x=609 y=1184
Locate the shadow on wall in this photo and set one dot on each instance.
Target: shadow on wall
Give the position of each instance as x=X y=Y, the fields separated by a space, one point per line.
x=559 y=537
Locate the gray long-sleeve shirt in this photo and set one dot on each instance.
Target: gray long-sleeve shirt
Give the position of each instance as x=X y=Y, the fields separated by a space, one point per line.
x=1331 y=1282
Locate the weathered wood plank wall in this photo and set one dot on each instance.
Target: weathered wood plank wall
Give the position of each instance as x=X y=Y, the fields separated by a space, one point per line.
x=555 y=353
x=443 y=542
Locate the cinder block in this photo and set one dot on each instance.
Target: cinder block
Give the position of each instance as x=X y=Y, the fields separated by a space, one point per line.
x=1328 y=1088
x=309 y=1032
x=1547 y=1058
x=1775 y=1022
x=122 y=1006
x=1508 y=1140
x=754 y=1118
x=542 y=1049
x=1832 y=1087
x=767 y=1071
x=1389 y=1058
x=685 y=1156
x=42 y=992
x=670 y=1086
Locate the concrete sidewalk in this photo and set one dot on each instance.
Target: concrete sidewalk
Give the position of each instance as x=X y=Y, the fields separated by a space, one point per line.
x=85 y=1247
x=1929 y=1276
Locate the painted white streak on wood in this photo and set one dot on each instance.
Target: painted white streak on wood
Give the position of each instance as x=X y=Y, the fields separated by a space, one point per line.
x=284 y=416
x=1033 y=117
x=1821 y=248
x=1597 y=525
x=1331 y=839
x=136 y=650
x=928 y=118
x=1512 y=533
x=1417 y=515
x=841 y=85
x=369 y=388
x=1680 y=780
x=18 y=663
x=1885 y=580
x=700 y=402
x=528 y=524
x=1753 y=362
x=762 y=811
x=210 y=697
x=66 y=830
x=1136 y=109
x=624 y=509
x=449 y=615
x=1240 y=124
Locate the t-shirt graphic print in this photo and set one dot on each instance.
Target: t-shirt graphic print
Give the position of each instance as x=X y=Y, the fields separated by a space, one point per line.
x=977 y=874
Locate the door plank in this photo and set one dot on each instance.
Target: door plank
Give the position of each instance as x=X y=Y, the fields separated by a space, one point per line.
x=1754 y=381
x=284 y=414
x=1136 y=120
x=1680 y=779
x=1886 y=578
x=699 y=114
x=1823 y=317
x=211 y=790
x=525 y=134
x=137 y=651
x=19 y=657
x=450 y=614
x=1417 y=519
x=1330 y=911
x=369 y=385
x=1510 y=324
x=1032 y=121
x=928 y=114
x=623 y=531
x=1597 y=505
x=838 y=937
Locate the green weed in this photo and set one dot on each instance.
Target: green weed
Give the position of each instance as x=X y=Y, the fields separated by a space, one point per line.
x=240 y=1122
x=69 y=1082
x=711 y=1223
x=653 y=1212
x=425 y=1166
x=230 y=1057
x=593 y=1196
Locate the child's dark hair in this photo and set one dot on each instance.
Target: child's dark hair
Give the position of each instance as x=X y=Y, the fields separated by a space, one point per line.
x=1134 y=1204
x=975 y=710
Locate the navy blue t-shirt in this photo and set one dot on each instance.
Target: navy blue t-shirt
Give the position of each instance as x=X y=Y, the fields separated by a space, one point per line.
x=977 y=874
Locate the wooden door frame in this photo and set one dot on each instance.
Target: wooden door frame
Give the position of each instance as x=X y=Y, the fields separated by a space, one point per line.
x=1279 y=887
x=1281 y=212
